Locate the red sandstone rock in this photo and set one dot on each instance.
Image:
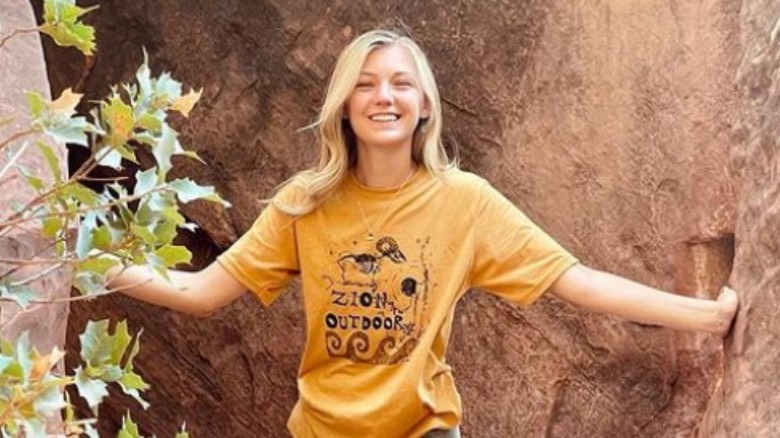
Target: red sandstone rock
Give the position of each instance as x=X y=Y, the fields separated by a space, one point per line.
x=745 y=399
x=609 y=124
x=22 y=68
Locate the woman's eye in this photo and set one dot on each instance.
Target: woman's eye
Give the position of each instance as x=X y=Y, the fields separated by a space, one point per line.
x=363 y=85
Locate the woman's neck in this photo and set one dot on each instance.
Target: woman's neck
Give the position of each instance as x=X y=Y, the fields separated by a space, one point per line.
x=380 y=170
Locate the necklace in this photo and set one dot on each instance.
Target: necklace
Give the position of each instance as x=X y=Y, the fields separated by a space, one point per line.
x=372 y=231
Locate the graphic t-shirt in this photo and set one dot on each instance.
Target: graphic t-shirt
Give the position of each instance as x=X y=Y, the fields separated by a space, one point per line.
x=379 y=311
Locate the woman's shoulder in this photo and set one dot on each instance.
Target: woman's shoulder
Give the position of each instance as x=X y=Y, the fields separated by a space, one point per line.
x=463 y=180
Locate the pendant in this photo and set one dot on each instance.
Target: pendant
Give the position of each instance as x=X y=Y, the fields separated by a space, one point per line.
x=370 y=237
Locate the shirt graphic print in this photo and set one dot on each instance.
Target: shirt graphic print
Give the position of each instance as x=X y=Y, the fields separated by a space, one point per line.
x=379 y=296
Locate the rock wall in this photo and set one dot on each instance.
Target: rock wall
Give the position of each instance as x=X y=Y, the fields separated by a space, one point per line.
x=609 y=123
x=744 y=399
x=22 y=69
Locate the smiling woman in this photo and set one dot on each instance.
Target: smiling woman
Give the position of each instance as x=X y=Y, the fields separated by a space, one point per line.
x=387 y=234
x=384 y=111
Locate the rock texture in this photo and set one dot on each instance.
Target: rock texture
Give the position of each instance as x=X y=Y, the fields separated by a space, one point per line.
x=610 y=124
x=742 y=405
x=22 y=68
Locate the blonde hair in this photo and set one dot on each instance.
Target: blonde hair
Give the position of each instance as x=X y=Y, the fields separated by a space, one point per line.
x=338 y=145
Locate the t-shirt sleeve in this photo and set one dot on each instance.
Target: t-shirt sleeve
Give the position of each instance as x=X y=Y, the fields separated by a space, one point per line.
x=265 y=258
x=513 y=257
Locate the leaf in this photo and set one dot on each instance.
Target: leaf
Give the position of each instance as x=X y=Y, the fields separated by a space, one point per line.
x=61 y=23
x=165 y=232
x=95 y=348
x=23 y=354
x=36 y=103
x=167 y=145
x=99 y=265
x=121 y=340
x=150 y=122
x=92 y=390
x=66 y=104
x=109 y=157
x=89 y=283
x=173 y=255
x=50 y=402
x=110 y=373
x=32 y=180
x=183 y=432
x=144 y=76
x=185 y=103
x=132 y=380
x=51 y=159
x=193 y=155
x=144 y=233
x=69 y=131
x=4 y=362
x=166 y=90
x=84 y=239
x=131 y=383
x=81 y=193
x=188 y=190
x=20 y=295
x=119 y=117
x=145 y=181
x=90 y=431
x=129 y=429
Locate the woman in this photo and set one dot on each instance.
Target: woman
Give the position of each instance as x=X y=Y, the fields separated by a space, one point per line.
x=387 y=234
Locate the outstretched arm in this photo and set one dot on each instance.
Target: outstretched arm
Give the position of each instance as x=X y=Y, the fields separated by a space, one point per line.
x=196 y=293
x=610 y=293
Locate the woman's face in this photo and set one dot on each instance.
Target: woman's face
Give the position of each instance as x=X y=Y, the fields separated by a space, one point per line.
x=387 y=103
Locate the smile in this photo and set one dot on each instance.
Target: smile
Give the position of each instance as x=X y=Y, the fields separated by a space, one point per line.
x=384 y=117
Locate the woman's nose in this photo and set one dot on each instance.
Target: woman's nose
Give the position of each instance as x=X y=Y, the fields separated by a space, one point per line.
x=384 y=93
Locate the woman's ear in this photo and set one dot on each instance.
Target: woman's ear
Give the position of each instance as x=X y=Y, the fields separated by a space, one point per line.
x=425 y=113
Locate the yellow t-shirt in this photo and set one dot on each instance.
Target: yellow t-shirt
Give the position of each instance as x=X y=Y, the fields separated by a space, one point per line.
x=379 y=313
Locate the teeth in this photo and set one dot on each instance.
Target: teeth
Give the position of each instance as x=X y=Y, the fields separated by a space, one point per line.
x=384 y=117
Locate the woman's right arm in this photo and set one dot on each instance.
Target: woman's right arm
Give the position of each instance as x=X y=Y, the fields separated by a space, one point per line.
x=199 y=293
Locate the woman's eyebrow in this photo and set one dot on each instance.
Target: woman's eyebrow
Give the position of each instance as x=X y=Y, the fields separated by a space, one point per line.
x=398 y=73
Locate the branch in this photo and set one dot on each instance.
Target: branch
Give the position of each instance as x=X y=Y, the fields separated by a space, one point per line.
x=8 y=179
x=16 y=136
x=89 y=62
x=12 y=34
x=14 y=158
x=29 y=262
x=39 y=275
x=15 y=218
x=83 y=297
x=78 y=210
x=105 y=179
x=16 y=268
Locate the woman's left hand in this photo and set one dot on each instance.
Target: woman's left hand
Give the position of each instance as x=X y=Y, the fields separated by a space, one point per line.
x=729 y=302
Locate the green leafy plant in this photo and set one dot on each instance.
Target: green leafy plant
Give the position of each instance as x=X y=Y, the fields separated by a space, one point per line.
x=113 y=228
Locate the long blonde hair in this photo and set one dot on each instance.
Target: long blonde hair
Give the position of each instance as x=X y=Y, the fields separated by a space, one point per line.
x=338 y=145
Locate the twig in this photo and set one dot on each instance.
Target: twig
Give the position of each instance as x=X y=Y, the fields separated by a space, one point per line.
x=106 y=179
x=8 y=178
x=48 y=193
x=79 y=210
x=14 y=33
x=29 y=262
x=84 y=297
x=13 y=159
x=37 y=276
x=16 y=268
x=89 y=62
x=16 y=136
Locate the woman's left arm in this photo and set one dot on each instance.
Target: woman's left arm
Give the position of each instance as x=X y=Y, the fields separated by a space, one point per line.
x=610 y=293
